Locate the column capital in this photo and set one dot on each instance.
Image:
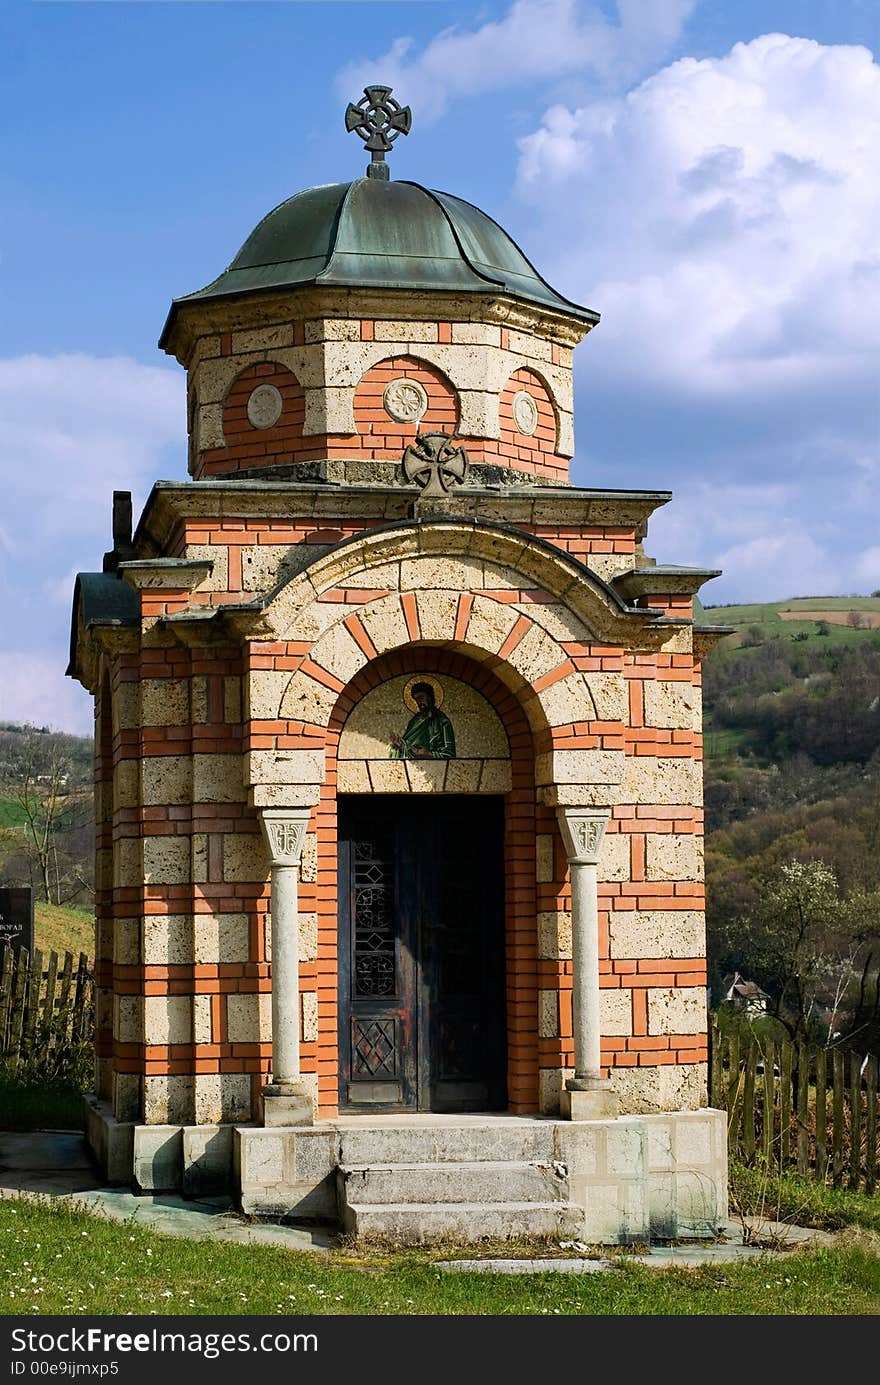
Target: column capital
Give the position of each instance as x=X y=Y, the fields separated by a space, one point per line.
x=285 y=832
x=582 y=832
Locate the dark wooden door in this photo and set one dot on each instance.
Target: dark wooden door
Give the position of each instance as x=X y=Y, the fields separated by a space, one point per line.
x=421 y=958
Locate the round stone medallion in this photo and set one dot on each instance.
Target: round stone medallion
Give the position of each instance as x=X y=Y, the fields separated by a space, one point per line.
x=405 y=400
x=525 y=413
x=264 y=406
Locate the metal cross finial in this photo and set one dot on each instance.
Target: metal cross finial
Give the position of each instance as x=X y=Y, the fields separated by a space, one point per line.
x=378 y=119
x=435 y=463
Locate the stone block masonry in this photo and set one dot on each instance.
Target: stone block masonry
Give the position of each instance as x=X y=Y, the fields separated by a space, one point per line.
x=252 y=650
x=329 y=380
x=216 y=733
x=278 y=592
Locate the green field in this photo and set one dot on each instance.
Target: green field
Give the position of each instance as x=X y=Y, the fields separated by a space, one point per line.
x=763 y=622
x=11 y=812
x=726 y=741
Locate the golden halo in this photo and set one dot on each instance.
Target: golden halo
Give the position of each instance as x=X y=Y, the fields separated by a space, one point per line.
x=408 y=699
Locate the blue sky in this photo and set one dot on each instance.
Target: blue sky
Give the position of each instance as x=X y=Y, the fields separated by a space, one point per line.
x=705 y=175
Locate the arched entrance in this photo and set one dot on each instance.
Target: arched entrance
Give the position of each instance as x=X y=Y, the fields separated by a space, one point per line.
x=421 y=952
x=520 y=620
x=430 y=885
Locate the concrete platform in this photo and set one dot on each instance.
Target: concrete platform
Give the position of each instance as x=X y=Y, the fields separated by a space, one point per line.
x=621 y=1181
x=57 y=1166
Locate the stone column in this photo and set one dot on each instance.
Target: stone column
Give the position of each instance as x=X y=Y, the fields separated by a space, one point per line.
x=587 y=1095
x=285 y=1100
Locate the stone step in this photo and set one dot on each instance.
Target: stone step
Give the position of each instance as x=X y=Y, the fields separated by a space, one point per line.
x=483 y=1181
x=419 y=1223
x=527 y=1142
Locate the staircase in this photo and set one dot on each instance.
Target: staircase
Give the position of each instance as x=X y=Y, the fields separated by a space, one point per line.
x=422 y=1183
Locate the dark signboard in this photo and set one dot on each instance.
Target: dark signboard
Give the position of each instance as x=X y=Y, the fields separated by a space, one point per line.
x=17 y=916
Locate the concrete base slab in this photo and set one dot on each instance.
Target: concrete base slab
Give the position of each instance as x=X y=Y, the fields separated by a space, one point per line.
x=612 y=1181
x=287 y=1105
x=414 y=1223
x=207 y=1160
x=111 y=1141
x=158 y=1158
x=543 y=1266
x=282 y=1173
x=489 y=1180
x=38 y=1164
x=593 y=1103
x=28 y=1159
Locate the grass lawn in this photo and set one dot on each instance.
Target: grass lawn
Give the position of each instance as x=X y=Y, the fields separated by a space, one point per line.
x=59 y=1260
x=11 y=812
x=60 y=928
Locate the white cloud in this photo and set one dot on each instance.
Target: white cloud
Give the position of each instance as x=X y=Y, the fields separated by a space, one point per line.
x=33 y=690
x=728 y=212
x=73 y=429
x=772 y=567
x=533 y=41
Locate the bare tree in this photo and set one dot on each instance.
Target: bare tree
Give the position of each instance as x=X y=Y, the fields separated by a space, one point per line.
x=43 y=797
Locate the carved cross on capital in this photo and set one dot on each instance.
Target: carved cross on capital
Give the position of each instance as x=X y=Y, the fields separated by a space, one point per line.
x=285 y=833
x=582 y=832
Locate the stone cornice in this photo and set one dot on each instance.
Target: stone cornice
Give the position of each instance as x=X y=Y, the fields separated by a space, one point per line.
x=171 y=503
x=197 y=628
x=190 y=321
x=91 y=642
x=660 y=580
x=535 y=561
x=165 y=574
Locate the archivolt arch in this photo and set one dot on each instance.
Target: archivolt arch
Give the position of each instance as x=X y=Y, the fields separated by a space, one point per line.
x=419 y=585
x=461 y=555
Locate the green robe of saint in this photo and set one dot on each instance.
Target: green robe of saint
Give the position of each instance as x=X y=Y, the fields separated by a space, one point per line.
x=431 y=731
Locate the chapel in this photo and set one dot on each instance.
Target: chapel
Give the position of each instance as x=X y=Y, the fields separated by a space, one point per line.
x=400 y=910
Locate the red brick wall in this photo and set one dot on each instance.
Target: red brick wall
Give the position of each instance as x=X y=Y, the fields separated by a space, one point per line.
x=535 y=453
x=103 y=956
x=379 y=435
x=247 y=446
x=637 y=975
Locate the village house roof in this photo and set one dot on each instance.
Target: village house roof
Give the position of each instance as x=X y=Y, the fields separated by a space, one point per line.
x=745 y=990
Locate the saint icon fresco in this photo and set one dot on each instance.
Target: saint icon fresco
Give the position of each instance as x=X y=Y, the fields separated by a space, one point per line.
x=429 y=734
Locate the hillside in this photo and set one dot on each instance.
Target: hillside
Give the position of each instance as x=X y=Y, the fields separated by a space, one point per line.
x=792 y=773
x=46 y=828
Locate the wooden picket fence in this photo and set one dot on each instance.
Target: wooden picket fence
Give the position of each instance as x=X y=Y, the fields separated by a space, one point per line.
x=46 y=1011
x=800 y=1108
